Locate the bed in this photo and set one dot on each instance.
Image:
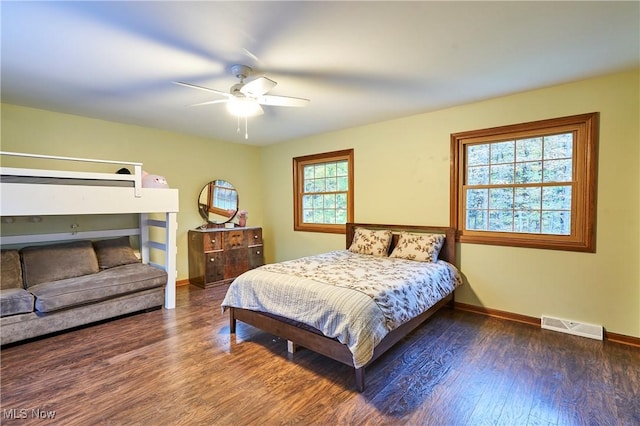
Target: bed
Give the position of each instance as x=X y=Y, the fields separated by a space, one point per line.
x=352 y=305
x=54 y=190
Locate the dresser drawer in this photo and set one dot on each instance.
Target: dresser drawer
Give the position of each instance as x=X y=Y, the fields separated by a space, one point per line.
x=235 y=239
x=256 y=257
x=214 y=267
x=254 y=236
x=211 y=242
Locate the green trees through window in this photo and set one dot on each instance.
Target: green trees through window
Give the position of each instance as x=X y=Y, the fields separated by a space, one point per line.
x=530 y=184
x=323 y=191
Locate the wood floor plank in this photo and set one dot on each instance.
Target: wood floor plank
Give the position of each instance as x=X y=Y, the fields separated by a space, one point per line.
x=182 y=367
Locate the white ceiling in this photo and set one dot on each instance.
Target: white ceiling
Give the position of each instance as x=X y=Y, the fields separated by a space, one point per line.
x=358 y=62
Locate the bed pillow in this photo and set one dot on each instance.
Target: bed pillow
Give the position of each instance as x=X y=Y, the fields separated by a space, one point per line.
x=372 y=242
x=419 y=247
x=114 y=252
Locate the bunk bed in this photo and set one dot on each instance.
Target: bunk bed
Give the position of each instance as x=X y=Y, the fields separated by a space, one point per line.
x=39 y=192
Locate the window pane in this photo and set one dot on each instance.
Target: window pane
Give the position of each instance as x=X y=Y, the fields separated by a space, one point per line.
x=309 y=186
x=501 y=198
x=528 y=198
x=556 y=222
x=478 y=175
x=318 y=201
x=527 y=221
x=342 y=168
x=341 y=201
x=477 y=220
x=558 y=171
x=477 y=198
x=558 y=146
x=501 y=220
x=329 y=201
x=529 y=149
x=331 y=184
x=329 y=216
x=331 y=169
x=502 y=152
x=307 y=216
x=343 y=184
x=308 y=172
x=307 y=201
x=502 y=174
x=318 y=185
x=341 y=216
x=556 y=198
x=318 y=216
x=529 y=172
x=477 y=155
x=318 y=171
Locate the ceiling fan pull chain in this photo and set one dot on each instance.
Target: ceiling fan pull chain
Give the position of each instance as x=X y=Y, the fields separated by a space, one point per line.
x=238 y=128
x=246 y=128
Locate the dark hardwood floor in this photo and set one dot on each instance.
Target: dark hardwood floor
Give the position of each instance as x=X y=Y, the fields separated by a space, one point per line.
x=182 y=367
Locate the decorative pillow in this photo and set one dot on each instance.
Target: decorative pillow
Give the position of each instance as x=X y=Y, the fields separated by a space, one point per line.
x=420 y=247
x=369 y=241
x=10 y=270
x=114 y=252
x=41 y=264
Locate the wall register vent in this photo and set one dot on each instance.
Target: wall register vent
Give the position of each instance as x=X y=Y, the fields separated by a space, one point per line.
x=573 y=327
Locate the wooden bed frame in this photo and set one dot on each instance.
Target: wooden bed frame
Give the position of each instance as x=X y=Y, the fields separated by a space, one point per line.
x=314 y=340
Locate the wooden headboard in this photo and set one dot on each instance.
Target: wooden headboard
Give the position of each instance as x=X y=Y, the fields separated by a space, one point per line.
x=447 y=253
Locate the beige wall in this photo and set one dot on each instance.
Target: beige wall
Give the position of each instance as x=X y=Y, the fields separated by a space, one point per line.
x=402 y=176
x=187 y=162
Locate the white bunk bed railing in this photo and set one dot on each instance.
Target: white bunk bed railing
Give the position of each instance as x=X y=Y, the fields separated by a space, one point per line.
x=135 y=178
x=38 y=198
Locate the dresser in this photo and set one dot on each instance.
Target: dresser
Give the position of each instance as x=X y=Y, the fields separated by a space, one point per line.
x=218 y=255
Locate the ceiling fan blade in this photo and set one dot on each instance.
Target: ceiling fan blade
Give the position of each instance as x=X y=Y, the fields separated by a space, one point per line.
x=258 y=87
x=219 y=101
x=193 y=86
x=283 y=101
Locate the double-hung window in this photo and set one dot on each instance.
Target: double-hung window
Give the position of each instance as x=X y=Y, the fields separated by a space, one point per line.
x=529 y=185
x=323 y=191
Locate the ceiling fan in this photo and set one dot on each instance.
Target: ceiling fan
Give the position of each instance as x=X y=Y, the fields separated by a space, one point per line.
x=245 y=99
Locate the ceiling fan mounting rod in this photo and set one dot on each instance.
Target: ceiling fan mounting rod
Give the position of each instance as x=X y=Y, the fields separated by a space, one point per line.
x=241 y=71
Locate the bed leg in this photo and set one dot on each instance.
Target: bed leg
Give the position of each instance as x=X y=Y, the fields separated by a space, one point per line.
x=360 y=379
x=291 y=347
x=232 y=321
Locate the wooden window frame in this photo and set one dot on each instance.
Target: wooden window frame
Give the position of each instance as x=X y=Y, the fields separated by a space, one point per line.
x=583 y=206
x=298 y=181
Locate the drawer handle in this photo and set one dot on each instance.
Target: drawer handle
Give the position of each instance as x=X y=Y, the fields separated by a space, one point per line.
x=255 y=236
x=258 y=252
x=213 y=241
x=212 y=259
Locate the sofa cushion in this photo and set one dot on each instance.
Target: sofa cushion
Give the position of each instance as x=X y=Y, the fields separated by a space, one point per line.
x=10 y=269
x=15 y=301
x=114 y=252
x=41 y=264
x=103 y=285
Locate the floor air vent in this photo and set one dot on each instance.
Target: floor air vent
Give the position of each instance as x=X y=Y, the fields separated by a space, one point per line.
x=572 y=327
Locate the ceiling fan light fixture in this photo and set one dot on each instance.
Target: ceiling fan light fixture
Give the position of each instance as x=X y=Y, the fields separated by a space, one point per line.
x=239 y=106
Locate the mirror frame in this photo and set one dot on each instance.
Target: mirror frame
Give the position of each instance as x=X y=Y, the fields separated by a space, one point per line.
x=223 y=211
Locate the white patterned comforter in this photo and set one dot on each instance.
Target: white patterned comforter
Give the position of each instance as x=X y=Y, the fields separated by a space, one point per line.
x=354 y=298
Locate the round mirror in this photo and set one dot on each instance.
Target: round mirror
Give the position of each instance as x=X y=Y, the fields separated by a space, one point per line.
x=218 y=202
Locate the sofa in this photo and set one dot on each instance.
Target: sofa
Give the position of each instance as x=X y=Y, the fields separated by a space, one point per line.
x=54 y=287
